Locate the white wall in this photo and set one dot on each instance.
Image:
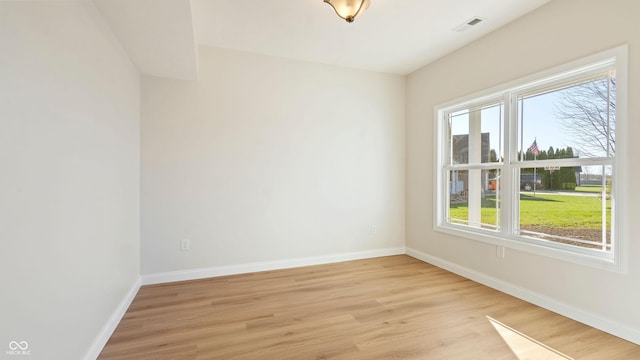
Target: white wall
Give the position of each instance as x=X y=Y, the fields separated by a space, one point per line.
x=69 y=177
x=267 y=160
x=557 y=33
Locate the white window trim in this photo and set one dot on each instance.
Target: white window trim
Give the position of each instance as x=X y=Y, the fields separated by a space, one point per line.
x=618 y=260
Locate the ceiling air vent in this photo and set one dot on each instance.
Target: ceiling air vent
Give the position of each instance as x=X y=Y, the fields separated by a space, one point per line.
x=468 y=24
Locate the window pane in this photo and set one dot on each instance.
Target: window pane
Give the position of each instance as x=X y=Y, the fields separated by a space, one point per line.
x=475 y=135
x=474 y=198
x=573 y=120
x=563 y=125
x=580 y=217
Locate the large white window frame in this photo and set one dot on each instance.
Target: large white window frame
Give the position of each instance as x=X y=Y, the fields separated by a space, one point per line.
x=504 y=236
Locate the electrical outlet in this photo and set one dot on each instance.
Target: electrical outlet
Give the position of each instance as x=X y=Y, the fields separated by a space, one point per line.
x=374 y=229
x=185 y=245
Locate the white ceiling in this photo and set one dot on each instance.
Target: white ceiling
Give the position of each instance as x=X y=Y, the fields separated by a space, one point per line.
x=392 y=36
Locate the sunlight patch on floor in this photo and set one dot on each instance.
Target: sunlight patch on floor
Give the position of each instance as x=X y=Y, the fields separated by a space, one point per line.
x=524 y=347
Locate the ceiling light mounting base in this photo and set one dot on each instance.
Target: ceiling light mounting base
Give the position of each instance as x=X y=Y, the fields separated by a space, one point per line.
x=348 y=9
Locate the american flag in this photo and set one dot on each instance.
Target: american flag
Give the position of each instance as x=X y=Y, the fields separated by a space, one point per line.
x=534 y=148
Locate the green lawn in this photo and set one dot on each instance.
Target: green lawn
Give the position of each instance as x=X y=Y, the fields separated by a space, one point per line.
x=554 y=211
x=589 y=188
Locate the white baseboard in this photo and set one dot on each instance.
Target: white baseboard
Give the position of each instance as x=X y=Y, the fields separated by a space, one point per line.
x=194 y=274
x=108 y=328
x=572 y=312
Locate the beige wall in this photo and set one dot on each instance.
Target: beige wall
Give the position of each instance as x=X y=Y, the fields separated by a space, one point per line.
x=265 y=159
x=69 y=177
x=559 y=32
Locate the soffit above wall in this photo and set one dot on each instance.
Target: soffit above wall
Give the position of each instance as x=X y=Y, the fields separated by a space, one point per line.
x=392 y=36
x=158 y=35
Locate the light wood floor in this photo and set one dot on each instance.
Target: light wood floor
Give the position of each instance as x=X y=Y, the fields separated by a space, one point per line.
x=385 y=308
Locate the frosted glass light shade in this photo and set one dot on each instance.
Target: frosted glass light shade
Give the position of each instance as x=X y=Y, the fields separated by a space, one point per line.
x=348 y=9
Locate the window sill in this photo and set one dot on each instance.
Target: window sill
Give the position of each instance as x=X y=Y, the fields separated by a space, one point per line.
x=563 y=253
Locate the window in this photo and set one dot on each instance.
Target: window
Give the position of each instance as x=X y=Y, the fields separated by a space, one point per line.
x=533 y=165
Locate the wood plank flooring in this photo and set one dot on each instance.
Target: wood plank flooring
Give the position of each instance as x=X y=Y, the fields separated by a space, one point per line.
x=384 y=308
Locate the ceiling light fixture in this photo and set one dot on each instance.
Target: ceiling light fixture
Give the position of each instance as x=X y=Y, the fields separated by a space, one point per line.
x=348 y=9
